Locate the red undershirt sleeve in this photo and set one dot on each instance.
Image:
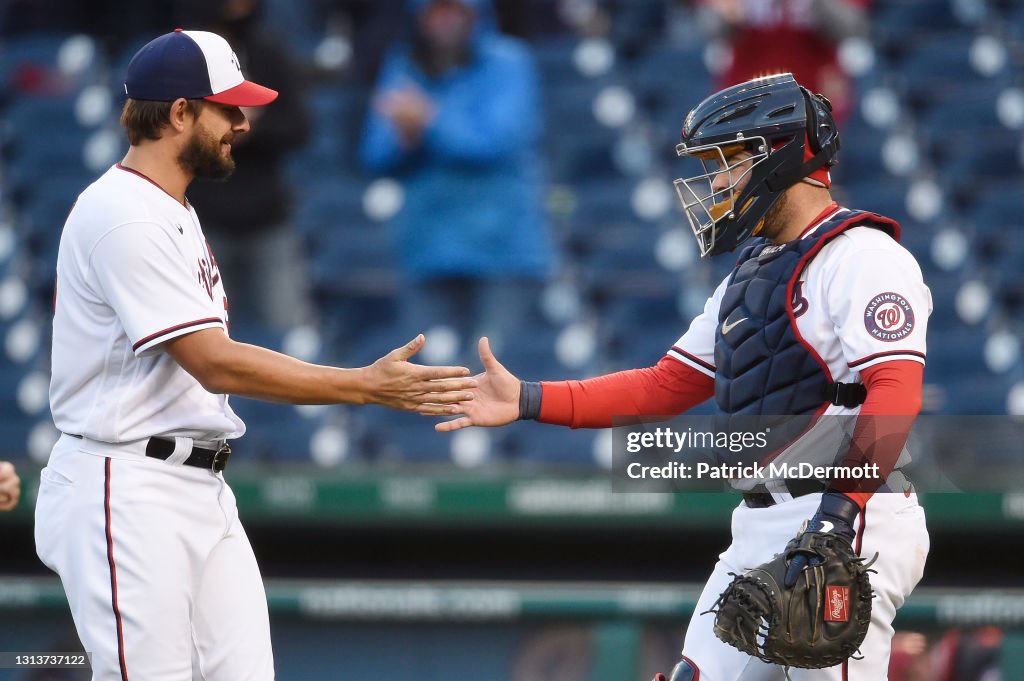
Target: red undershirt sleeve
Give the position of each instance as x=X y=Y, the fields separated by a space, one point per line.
x=883 y=425
x=665 y=389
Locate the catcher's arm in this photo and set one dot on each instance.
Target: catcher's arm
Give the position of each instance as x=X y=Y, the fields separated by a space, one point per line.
x=10 y=486
x=883 y=425
x=668 y=387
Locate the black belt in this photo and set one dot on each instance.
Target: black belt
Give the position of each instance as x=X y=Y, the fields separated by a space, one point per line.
x=796 y=488
x=211 y=459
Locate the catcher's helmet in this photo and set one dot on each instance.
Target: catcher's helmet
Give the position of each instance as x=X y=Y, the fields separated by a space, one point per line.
x=787 y=133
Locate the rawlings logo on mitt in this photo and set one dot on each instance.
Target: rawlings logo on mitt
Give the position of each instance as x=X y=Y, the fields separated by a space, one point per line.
x=819 y=622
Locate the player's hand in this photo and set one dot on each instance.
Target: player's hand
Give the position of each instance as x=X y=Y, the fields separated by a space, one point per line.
x=495 y=398
x=10 y=486
x=397 y=383
x=835 y=515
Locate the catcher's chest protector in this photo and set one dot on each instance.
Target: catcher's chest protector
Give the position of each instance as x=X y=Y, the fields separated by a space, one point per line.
x=762 y=366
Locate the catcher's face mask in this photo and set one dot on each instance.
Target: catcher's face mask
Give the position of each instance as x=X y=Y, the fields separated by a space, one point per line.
x=710 y=199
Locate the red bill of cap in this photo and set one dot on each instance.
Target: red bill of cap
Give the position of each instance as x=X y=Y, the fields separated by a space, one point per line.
x=245 y=93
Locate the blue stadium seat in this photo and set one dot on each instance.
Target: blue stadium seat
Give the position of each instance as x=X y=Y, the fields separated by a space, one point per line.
x=391 y=436
x=860 y=159
x=554 y=57
x=14 y=424
x=354 y=259
x=981 y=161
x=998 y=210
x=943 y=288
x=897 y=23
x=580 y=155
x=669 y=81
x=974 y=395
x=20 y=54
x=550 y=446
x=328 y=204
x=639 y=331
x=572 y=108
x=956 y=353
x=274 y=432
x=887 y=197
x=936 y=70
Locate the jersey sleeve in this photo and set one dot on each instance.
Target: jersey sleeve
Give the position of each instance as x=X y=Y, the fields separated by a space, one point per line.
x=146 y=279
x=696 y=347
x=880 y=305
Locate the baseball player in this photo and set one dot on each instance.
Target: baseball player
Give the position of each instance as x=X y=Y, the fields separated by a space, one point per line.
x=133 y=511
x=10 y=486
x=824 y=314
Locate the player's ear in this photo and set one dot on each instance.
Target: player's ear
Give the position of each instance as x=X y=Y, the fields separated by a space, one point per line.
x=180 y=114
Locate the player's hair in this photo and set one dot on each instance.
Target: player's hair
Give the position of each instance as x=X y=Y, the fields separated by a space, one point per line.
x=144 y=120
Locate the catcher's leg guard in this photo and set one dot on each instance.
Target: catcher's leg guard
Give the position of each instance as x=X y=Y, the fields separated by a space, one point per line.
x=685 y=670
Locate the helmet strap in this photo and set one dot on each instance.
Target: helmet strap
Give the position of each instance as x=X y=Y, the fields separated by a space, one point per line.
x=784 y=179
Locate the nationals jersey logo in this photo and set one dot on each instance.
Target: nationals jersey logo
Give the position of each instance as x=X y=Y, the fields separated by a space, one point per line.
x=889 y=317
x=209 y=273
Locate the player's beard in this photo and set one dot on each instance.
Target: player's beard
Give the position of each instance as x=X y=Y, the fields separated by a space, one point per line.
x=202 y=157
x=776 y=219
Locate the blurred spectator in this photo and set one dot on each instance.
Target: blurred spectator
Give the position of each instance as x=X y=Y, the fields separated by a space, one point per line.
x=799 y=36
x=456 y=118
x=968 y=655
x=247 y=219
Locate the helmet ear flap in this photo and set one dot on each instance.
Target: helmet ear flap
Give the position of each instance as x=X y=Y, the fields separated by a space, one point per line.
x=821 y=127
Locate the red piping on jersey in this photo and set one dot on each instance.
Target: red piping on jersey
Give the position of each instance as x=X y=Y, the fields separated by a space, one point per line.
x=147 y=178
x=825 y=240
x=113 y=573
x=860 y=542
x=696 y=360
x=150 y=338
x=890 y=353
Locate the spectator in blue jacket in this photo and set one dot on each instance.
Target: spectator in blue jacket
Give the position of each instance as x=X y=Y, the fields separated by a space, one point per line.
x=456 y=118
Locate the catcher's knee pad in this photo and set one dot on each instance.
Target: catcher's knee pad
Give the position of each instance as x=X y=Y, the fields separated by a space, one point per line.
x=685 y=670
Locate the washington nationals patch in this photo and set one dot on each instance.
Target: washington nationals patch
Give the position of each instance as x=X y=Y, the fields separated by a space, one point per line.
x=889 y=317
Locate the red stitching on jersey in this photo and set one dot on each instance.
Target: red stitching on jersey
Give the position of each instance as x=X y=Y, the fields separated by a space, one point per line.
x=113 y=574
x=179 y=327
x=913 y=353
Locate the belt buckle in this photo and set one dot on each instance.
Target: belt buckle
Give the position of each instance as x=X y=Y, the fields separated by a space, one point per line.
x=220 y=458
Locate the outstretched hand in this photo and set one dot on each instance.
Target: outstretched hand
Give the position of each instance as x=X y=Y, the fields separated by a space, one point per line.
x=429 y=390
x=10 y=486
x=495 y=398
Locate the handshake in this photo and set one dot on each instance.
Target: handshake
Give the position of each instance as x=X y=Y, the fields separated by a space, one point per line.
x=493 y=401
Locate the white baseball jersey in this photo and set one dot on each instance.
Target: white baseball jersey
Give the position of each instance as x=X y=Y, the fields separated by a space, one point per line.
x=862 y=301
x=160 y=576
x=133 y=271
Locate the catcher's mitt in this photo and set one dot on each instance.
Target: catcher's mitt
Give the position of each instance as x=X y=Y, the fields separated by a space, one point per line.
x=819 y=622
